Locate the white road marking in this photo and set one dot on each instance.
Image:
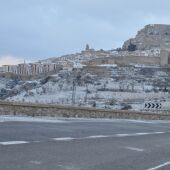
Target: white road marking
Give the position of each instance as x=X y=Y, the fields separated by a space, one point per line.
x=88 y=137
x=64 y=139
x=13 y=142
x=108 y=136
x=135 y=149
x=142 y=133
x=121 y=135
x=138 y=134
x=160 y=132
x=97 y=136
x=159 y=166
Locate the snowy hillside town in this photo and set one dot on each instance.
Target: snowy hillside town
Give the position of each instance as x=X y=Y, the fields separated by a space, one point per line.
x=84 y=85
x=134 y=77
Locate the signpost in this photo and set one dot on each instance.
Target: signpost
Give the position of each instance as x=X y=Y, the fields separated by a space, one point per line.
x=152 y=105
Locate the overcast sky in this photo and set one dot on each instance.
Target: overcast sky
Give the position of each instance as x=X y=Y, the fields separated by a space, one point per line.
x=38 y=29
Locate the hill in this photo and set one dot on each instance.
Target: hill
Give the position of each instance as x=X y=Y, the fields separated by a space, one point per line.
x=151 y=36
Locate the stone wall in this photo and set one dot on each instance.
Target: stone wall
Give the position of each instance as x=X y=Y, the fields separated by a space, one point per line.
x=7 y=108
x=144 y=60
x=99 y=71
x=125 y=60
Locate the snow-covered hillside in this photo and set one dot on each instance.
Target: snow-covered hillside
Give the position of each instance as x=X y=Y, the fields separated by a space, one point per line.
x=126 y=88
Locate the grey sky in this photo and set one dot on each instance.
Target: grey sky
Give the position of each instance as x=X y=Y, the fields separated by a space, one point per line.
x=34 y=29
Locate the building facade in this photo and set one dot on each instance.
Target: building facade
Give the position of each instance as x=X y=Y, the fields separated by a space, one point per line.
x=30 y=69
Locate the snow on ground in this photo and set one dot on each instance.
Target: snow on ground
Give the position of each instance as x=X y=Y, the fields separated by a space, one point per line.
x=150 y=53
x=2 y=83
x=144 y=66
x=65 y=97
x=107 y=65
x=130 y=85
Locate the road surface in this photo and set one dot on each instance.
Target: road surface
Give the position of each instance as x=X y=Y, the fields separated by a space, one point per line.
x=69 y=144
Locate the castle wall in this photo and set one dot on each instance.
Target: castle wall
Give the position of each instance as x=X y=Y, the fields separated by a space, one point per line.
x=165 y=58
x=99 y=71
x=143 y=60
x=125 y=60
x=99 y=61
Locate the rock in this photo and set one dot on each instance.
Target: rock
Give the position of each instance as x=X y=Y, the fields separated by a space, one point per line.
x=150 y=37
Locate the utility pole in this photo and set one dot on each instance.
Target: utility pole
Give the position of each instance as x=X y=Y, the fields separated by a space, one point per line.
x=85 y=99
x=74 y=92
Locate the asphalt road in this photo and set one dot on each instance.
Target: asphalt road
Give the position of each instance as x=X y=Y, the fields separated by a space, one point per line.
x=68 y=144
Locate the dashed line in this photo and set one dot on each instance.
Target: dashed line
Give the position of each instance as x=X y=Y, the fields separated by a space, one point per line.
x=97 y=136
x=161 y=132
x=108 y=136
x=159 y=166
x=135 y=149
x=13 y=142
x=145 y=133
x=64 y=139
x=83 y=138
x=121 y=135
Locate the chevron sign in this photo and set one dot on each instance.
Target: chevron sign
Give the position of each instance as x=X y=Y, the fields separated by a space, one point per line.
x=151 y=105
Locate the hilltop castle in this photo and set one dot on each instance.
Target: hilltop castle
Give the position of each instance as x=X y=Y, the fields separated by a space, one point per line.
x=150 y=47
x=91 y=57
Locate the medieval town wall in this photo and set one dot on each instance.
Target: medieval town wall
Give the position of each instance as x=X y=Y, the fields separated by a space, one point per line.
x=143 y=60
x=125 y=60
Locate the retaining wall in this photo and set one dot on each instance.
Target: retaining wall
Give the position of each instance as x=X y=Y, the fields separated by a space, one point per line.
x=8 y=108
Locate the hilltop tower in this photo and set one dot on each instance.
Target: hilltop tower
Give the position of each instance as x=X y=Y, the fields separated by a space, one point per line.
x=87 y=47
